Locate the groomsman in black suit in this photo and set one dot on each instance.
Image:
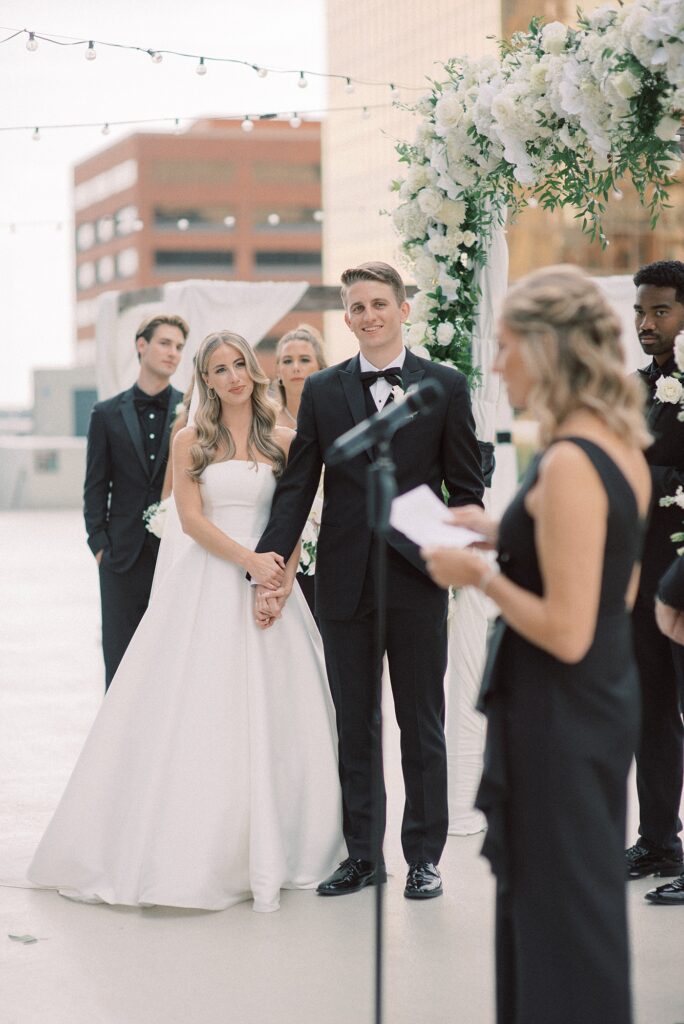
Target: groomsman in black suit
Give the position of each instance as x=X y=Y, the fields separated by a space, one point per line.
x=128 y=447
x=433 y=449
x=659 y=310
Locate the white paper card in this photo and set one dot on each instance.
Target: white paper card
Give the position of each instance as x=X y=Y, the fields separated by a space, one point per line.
x=424 y=519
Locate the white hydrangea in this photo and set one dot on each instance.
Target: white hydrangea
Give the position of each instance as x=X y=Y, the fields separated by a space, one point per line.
x=421 y=351
x=439 y=245
x=451 y=212
x=421 y=306
x=554 y=36
x=418 y=177
x=425 y=271
x=666 y=128
x=417 y=333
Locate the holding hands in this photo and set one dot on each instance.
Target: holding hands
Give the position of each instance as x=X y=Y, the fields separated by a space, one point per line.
x=269 y=604
x=266 y=569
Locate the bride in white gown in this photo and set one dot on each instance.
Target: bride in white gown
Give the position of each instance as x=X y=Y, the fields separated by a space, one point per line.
x=210 y=774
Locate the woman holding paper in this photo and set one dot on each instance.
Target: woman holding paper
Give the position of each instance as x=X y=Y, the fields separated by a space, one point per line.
x=560 y=688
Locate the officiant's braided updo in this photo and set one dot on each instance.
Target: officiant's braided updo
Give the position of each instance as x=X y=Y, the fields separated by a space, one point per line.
x=572 y=350
x=212 y=435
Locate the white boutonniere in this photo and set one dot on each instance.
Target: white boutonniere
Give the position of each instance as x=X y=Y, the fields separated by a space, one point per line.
x=179 y=410
x=154 y=517
x=669 y=389
x=398 y=394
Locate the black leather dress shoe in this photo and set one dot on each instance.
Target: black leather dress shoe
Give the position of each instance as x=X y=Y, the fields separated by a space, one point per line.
x=423 y=881
x=671 y=894
x=642 y=861
x=351 y=876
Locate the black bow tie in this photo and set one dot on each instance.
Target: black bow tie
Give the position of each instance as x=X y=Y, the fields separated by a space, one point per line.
x=392 y=375
x=146 y=402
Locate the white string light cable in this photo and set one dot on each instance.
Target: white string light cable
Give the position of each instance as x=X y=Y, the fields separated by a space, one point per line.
x=247 y=121
x=201 y=61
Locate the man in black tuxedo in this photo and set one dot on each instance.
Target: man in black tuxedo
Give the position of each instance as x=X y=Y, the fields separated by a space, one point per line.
x=432 y=449
x=659 y=310
x=128 y=447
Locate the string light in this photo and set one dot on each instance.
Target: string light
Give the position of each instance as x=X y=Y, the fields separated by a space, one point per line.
x=273 y=219
x=261 y=72
x=177 y=125
x=247 y=124
x=349 y=86
x=91 y=52
x=36 y=135
x=157 y=57
x=182 y=223
x=229 y=221
x=365 y=113
x=318 y=216
x=201 y=68
x=105 y=129
x=32 y=43
x=394 y=92
x=302 y=83
x=295 y=120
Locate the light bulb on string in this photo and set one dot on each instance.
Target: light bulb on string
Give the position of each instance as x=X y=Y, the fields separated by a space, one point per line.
x=365 y=113
x=156 y=57
x=349 y=86
x=295 y=120
x=302 y=83
x=247 y=124
x=318 y=216
x=32 y=43
x=617 y=194
x=182 y=223
x=105 y=129
x=201 y=68
x=229 y=221
x=394 y=92
x=177 y=126
x=261 y=72
x=273 y=220
x=91 y=52
x=36 y=135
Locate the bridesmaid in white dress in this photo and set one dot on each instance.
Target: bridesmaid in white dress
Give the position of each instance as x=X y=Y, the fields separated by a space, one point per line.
x=210 y=774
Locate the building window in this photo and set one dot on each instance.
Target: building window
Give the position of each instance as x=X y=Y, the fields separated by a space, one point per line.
x=105 y=229
x=195 y=218
x=279 y=219
x=127 y=262
x=85 y=275
x=46 y=461
x=283 y=261
x=85 y=236
x=106 y=269
x=282 y=173
x=116 y=179
x=171 y=261
x=182 y=172
x=126 y=220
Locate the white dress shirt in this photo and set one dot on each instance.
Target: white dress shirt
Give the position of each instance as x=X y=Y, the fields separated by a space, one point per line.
x=382 y=388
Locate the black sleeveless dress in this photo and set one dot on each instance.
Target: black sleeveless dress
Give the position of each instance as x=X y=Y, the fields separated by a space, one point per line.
x=559 y=746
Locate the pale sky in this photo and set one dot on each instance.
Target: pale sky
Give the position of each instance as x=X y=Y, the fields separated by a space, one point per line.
x=58 y=85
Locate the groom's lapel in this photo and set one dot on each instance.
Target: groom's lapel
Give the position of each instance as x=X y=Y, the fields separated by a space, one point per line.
x=413 y=370
x=353 y=391
x=130 y=418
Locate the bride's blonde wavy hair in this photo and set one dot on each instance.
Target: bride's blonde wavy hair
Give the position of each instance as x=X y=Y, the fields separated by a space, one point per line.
x=212 y=435
x=572 y=350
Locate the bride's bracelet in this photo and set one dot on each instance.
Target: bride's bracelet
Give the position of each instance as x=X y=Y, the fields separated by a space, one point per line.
x=486 y=578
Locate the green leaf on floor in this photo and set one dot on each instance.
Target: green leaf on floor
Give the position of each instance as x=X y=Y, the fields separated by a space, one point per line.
x=26 y=939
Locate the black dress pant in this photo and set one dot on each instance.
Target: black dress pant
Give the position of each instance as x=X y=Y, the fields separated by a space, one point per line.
x=416 y=646
x=659 y=756
x=124 y=597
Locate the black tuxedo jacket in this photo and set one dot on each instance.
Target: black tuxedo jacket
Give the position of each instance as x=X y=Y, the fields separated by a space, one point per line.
x=119 y=484
x=666 y=462
x=435 y=447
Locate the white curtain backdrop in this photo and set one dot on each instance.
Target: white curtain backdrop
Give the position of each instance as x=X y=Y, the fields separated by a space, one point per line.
x=465 y=727
x=248 y=308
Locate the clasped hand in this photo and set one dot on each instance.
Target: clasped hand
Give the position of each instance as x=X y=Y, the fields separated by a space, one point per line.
x=267 y=569
x=269 y=604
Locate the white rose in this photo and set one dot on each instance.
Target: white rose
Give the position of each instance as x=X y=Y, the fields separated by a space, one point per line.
x=421 y=306
x=421 y=351
x=666 y=128
x=553 y=37
x=417 y=177
x=679 y=352
x=469 y=238
x=425 y=272
x=449 y=110
x=416 y=333
x=626 y=84
x=451 y=212
x=439 y=245
x=445 y=333
x=429 y=200
x=669 y=389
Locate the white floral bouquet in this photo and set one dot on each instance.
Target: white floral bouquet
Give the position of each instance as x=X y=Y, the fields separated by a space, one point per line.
x=558 y=120
x=307 y=555
x=154 y=517
x=670 y=389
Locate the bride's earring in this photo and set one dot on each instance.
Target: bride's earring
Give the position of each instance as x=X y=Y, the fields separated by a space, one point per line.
x=211 y=392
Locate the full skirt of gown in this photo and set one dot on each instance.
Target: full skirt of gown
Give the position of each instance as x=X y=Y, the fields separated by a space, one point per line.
x=210 y=774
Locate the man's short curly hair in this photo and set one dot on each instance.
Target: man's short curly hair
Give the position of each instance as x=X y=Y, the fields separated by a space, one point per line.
x=663 y=274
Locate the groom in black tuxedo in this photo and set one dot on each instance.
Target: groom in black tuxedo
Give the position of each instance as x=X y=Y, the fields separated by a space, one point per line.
x=433 y=449
x=128 y=448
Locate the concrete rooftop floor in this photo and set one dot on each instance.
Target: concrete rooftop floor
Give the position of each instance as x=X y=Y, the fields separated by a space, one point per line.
x=311 y=962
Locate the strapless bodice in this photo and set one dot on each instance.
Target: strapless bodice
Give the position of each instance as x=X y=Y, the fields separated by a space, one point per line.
x=236 y=496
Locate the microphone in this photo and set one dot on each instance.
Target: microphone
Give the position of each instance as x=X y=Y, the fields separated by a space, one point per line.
x=384 y=424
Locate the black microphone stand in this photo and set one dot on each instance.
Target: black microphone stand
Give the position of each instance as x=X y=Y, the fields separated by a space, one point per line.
x=382 y=489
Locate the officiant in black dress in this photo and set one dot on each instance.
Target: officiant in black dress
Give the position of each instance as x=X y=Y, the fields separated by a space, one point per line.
x=560 y=689
x=434 y=449
x=128 y=448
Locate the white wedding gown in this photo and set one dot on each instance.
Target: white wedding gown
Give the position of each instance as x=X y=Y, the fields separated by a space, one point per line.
x=210 y=774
